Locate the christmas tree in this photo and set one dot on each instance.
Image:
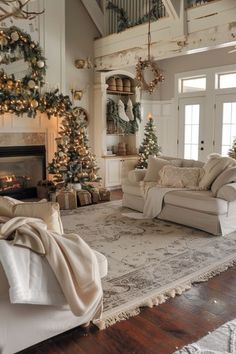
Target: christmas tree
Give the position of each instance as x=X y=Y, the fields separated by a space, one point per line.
x=73 y=161
x=149 y=145
x=232 y=151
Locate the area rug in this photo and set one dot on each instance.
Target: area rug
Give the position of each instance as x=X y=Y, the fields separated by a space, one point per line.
x=149 y=260
x=220 y=341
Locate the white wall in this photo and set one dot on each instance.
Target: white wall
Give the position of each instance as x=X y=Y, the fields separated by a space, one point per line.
x=212 y=58
x=80 y=33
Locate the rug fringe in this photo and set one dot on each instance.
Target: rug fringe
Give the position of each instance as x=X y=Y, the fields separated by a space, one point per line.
x=104 y=323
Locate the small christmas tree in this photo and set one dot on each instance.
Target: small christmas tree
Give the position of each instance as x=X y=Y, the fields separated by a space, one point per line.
x=149 y=145
x=232 y=151
x=73 y=162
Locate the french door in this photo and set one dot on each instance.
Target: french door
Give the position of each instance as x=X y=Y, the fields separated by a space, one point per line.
x=192 y=129
x=225 y=131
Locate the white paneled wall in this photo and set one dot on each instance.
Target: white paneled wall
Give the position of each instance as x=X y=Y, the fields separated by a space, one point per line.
x=165 y=121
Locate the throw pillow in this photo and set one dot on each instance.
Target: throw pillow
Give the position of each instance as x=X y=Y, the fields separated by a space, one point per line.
x=227 y=176
x=180 y=177
x=155 y=164
x=213 y=167
x=7 y=206
x=49 y=212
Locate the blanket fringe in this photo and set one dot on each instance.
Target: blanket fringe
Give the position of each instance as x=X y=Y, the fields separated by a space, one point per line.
x=135 y=310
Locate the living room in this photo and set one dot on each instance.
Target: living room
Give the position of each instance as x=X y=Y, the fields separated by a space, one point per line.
x=90 y=90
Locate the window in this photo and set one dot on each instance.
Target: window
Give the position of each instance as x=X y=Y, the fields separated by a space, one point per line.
x=229 y=126
x=194 y=84
x=191 y=131
x=224 y=81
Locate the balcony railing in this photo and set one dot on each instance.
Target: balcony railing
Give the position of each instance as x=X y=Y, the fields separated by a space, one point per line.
x=123 y=14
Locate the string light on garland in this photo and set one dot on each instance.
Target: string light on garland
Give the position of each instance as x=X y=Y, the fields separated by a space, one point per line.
x=150 y=64
x=15 y=44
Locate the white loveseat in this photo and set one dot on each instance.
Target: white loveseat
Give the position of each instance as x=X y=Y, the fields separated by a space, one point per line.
x=212 y=210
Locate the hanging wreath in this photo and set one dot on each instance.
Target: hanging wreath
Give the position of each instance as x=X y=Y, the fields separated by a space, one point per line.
x=14 y=45
x=141 y=66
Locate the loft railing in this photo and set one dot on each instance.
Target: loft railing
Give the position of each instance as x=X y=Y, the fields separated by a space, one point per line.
x=123 y=14
x=194 y=3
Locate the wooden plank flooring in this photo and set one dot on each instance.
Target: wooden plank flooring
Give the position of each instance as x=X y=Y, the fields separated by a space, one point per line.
x=159 y=330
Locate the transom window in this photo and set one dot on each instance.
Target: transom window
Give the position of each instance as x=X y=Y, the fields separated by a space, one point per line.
x=226 y=80
x=193 y=84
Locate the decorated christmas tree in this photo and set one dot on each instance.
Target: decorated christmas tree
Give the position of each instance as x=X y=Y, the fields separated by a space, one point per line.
x=149 y=145
x=73 y=161
x=232 y=151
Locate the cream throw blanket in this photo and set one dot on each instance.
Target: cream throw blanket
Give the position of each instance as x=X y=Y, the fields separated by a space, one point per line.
x=71 y=259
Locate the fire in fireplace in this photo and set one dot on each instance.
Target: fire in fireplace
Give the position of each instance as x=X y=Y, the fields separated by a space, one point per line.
x=21 y=167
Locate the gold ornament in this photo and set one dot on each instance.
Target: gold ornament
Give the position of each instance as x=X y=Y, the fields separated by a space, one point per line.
x=15 y=36
x=31 y=84
x=34 y=103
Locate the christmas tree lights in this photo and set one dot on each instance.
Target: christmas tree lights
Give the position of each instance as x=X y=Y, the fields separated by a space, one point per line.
x=73 y=162
x=149 y=145
x=232 y=151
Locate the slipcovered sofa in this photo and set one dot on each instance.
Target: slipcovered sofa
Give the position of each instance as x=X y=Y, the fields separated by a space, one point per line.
x=212 y=210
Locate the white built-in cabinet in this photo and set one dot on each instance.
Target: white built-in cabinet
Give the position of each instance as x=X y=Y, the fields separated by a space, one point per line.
x=115 y=168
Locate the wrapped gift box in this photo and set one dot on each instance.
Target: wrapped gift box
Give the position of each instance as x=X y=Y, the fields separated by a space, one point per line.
x=95 y=195
x=44 y=188
x=84 y=197
x=67 y=199
x=105 y=194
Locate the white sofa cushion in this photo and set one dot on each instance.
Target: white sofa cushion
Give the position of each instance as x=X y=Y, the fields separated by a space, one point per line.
x=227 y=192
x=201 y=201
x=132 y=188
x=213 y=167
x=181 y=177
x=155 y=164
x=136 y=175
x=227 y=176
x=47 y=211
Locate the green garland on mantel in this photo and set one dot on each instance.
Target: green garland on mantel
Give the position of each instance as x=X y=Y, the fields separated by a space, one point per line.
x=123 y=20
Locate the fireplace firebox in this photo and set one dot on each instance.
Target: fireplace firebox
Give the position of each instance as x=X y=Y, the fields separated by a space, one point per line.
x=21 y=167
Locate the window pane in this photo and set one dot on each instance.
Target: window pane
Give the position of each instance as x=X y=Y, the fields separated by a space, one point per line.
x=191 y=131
x=194 y=84
x=226 y=136
x=188 y=134
x=227 y=113
x=234 y=112
x=187 y=151
x=229 y=126
x=225 y=150
x=227 y=80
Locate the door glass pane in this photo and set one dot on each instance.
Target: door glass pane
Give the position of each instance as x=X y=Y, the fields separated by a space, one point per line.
x=191 y=131
x=229 y=126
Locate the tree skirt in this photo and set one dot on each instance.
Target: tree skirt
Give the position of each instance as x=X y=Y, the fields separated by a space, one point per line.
x=220 y=341
x=149 y=260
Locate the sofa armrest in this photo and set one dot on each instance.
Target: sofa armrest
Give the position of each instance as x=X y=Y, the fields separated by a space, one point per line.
x=227 y=192
x=135 y=176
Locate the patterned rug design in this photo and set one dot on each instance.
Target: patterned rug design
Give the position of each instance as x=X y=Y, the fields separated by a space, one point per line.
x=220 y=341
x=149 y=260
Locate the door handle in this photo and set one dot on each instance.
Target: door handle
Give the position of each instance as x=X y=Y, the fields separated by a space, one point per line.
x=202 y=141
x=202 y=148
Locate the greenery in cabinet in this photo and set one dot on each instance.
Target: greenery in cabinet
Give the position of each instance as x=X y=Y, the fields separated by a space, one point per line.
x=115 y=124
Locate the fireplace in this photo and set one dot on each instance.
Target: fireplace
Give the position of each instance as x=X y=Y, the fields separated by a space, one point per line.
x=21 y=167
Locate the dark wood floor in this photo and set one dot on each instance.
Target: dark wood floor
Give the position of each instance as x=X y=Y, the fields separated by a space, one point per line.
x=160 y=330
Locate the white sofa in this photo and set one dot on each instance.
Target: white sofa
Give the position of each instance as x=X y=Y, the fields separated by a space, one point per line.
x=211 y=210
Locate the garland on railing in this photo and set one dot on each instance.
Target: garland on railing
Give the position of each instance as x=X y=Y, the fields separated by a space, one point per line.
x=123 y=20
x=130 y=127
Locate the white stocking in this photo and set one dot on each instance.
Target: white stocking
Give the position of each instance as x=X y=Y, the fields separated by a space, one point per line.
x=121 y=111
x=129 y=110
